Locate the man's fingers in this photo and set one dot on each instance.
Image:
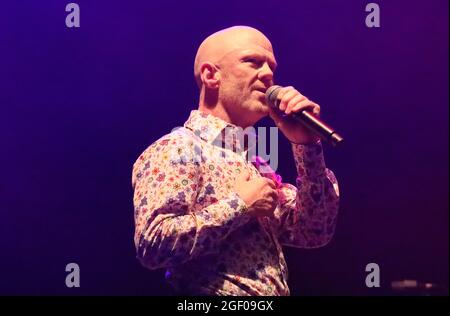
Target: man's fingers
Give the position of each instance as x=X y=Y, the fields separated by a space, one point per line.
x=271 y=183
x=284 y=90
x=295 y=102
x=286 y=98
x=285 y=95
x=274 y=195
x=306 y=105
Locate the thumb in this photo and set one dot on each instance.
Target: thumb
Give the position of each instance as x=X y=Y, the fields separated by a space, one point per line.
x=275 y=116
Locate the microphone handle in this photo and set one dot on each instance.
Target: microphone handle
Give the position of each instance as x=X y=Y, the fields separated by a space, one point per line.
x=325 y=132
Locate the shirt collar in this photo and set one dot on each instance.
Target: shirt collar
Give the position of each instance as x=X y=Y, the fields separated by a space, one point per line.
x=217 y=131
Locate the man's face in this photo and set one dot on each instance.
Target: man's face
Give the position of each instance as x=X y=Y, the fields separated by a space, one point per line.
x=246 y=73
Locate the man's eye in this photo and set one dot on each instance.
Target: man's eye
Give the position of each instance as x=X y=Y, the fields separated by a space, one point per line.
x=253 y=61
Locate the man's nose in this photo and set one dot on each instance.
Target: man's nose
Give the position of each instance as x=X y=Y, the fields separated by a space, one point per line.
x=266 y=74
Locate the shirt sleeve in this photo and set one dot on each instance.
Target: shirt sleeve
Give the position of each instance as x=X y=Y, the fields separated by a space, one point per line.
x=171 y=227
x=307 y=212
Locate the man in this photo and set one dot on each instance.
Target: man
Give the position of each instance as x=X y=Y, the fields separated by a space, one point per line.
x=206 y=213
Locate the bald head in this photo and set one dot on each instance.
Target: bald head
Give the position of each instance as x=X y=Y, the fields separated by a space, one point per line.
x=223 y=42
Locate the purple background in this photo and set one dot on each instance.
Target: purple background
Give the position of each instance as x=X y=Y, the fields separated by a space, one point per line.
x=79 y=105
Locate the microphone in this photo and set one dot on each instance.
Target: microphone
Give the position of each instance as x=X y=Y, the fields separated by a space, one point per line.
x=325 y=132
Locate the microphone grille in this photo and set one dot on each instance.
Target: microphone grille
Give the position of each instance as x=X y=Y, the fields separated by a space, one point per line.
x=271 y=95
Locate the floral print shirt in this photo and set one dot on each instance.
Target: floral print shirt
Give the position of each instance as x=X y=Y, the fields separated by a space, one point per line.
x=189 y=220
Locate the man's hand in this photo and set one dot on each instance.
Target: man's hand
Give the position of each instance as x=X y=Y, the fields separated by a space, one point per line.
x=259 y=194
x=293 y=101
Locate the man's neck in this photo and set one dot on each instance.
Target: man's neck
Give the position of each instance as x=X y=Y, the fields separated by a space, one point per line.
x=217 y=111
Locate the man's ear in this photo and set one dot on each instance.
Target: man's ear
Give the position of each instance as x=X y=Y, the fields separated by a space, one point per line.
x=210 y=75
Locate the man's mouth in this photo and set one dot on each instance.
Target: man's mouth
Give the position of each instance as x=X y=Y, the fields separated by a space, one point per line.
x=262 y=90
